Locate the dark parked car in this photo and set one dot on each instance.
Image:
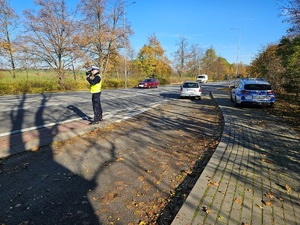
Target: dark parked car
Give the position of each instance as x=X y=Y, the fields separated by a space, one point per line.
x=148 y=83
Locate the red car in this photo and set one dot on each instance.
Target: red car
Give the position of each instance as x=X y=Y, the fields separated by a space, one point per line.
x=149 y=83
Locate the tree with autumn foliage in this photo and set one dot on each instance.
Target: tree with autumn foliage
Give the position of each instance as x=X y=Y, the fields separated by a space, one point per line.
x=152 y=61
x=219 y=69
x=8 y=24
x=208 y=60
x=289 y=46
x=268 y=64
x=289 y=51
x=280 y=63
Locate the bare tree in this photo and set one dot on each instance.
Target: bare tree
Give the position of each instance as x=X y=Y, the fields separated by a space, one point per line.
x=291 y=13
x=105 y=33
x=196 y=54
x=8 y=24
x=181 y=56
x=50 y=35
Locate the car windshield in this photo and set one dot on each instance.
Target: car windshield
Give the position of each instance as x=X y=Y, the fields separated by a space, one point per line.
x=201 y=76
x=258 y=87
x=190 y=85
x=146 y=80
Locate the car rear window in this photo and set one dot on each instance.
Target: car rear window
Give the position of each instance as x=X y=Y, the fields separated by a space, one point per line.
x=258 y=87
x=190 y=85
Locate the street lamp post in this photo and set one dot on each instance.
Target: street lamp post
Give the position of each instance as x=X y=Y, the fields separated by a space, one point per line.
x=125 y=44
x=238 y=50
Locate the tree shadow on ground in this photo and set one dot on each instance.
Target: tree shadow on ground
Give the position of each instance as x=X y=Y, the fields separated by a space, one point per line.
x=35 y=189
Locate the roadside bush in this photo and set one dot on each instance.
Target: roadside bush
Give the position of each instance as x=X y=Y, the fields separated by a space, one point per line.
x=26 y=86
x=74 y=85
x=133 y=82
x=163 y=81
x=45 y=83
x=6 y=88
x=36 y=86
x=112 y=83
x=82 y=85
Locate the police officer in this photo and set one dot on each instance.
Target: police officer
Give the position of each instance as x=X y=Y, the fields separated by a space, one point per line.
x=94 y=78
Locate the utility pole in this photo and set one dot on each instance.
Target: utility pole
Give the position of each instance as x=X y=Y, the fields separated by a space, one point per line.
x=238 y=50
x=125 y=44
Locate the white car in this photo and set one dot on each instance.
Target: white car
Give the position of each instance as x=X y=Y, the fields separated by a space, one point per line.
x=203 y=78
x=190 y=89
x=253 y=91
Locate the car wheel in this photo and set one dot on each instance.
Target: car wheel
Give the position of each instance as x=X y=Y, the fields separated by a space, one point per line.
x=231 y=97
x=237 y=104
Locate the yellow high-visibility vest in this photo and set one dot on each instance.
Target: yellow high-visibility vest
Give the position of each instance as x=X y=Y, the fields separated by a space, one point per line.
x=96 y=88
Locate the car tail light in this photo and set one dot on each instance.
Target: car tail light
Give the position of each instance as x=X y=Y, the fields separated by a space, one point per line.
x=200 y=90
x=244 y=92
x=180 y=89
x=270 y=92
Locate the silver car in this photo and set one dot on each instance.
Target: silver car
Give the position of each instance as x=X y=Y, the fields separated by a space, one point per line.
x=190 y=89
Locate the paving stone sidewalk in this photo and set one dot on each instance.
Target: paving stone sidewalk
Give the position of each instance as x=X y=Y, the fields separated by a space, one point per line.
x=253 y=176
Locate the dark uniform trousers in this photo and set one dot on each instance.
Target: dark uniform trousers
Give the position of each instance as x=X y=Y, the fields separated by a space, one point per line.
x=97 y=108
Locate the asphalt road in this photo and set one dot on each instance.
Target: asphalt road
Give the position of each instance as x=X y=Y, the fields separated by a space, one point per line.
x=19 y=113
x=27 y=112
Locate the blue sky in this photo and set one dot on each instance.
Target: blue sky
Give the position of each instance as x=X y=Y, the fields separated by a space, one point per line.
x=207 y=23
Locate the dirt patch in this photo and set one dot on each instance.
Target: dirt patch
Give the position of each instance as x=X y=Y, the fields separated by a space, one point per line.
x=158 y=157
x=287 y=108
